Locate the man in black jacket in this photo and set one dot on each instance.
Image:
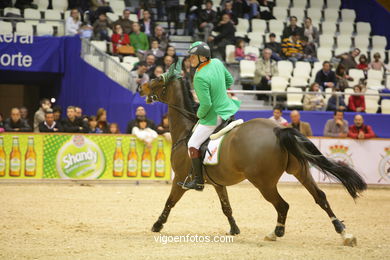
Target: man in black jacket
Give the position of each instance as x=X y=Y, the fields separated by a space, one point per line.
x=226 y=30
x=73 y=124
x=292 y=27
x=140 y=115
x=15 y=123
x=326 y=78
x=207 y=18
x=49 y=125
x=275 y=46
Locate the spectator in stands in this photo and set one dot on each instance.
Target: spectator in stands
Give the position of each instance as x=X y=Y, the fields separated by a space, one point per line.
x=73 y=124
x=363 y=63
x=125 y=22
x=138 y=39
x=207 y=18
x=277 y=116
x=326 y=78
x=172 y=7
x=292 y=47
x=150 y=64
x=57 y=111
x=241 y=8
x=79 y=114
x=101 y=117
x=167 y=62
x=143 y=132
x=23 y=4
x=119 y=39
x=140 y=76
x=5 y=3
x=336 y=127
x=1 y=123
x=228 y=9
x=15 y=123
x=275 y=46
x=171 y=51
x=239 y=52
x=301 y=126
x=357 y=103
x=266 y=10
x=309 y=50
x=163 y=128
x=161 y=37
x=73 y=23
x=310 y=31
x=100 y=28
x=157 y=72
x=24 y=114
x=193 y=8
x=348 y=59
x=92 y=125
x=187 y=75
x=266 y=68
x=359 y=130
x=333 y=100
x=342 y=78
x=314 y=102
x=226 y=30
x=39 y=115
x=114 y=128
x=49 y=125
x=377 y=64
x=155 y=50
x=98 y=7
x=86 y=31
x=147 y=24
x=140 y=114
x=292 y=28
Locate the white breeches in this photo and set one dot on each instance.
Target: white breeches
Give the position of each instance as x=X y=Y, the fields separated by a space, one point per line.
x=201 y=133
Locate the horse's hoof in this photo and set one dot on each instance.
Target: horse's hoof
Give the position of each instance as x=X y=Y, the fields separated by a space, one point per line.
x=157 y=227
x=270 y=237
x=234 y=231
x=349 y=240
x=279 y=231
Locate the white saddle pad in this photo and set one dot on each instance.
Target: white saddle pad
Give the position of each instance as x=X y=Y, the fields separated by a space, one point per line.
x=213 y=147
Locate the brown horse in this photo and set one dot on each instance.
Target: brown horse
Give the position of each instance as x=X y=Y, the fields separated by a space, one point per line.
x=258 y=150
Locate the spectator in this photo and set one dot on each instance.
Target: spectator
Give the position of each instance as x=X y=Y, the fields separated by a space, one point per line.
x=314 y=102
x=100 y=28
x=326 y=78
x=140 y=76
x=292 y=28
x=138 y=39
x=266 y=10
x=73 y=124
x=188 y=75
x=167 y=62
x=119 y=39
x=155 y=50
x=157 y=72
x=363 y=63
x=140 y=114
x=241 y=8
x=310 y=31
x=24 y=113
x=226 y=31
x=73 y=23
x=357 y=103
x=332 y=102
x=253 y=10
x=301 y=126
x=171 y=51
x=1 y=123
x=57 y=111
x=86 y=30
x=193 y=8
x=40 y=114
x=172 y=7
x=275 y=46
x=125 y=22
x=377 y=64
x=143 y=132
x=101 y=117
x=342 y=78
x=359 y=130
x=49 y=125
x=348 y=59
x=79 y=114
x=114 y=129
x=265 y=70
x=336 y=127
x=150 y=64
x=92 y=125
x=5 y=3
x=23 y=4
x=207 y=18
x=277 y=116
x=239 y=53
x=229 y=11
x=309 y=50
x=15 y=123
x=292 y=47
x=163 y=128
x=98 y=7
x=161 y=37
x=147 y=24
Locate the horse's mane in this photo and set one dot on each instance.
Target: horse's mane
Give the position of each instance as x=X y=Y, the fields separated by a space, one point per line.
x=188 y=98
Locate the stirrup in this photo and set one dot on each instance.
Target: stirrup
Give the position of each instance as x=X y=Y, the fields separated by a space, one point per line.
x=198 y=187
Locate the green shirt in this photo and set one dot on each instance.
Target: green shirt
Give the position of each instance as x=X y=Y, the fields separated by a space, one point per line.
x=210 y=83
x=139 y=41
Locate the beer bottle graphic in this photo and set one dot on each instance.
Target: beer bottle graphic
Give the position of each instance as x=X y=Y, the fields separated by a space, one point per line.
x=15 y=158
x=132 y=159
x=146 y=164
x=30 y=159
x=160 y=160
x=2 y=157
x=118 y=159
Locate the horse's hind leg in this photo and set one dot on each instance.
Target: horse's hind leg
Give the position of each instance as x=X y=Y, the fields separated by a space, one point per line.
x=226 y=208
x=175 y=195
x=320 y=198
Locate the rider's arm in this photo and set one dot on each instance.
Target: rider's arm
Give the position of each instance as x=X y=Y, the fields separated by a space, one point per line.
x=203 y=92
x=228 y=78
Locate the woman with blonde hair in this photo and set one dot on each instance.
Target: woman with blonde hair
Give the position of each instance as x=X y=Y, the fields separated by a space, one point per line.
x=101 y=116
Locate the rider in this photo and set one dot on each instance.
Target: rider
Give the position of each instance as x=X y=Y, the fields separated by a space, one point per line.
x=210 y=83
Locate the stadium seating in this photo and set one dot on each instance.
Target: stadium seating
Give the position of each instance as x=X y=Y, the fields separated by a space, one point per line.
x=259 y=25
x=247 y=69
x=32 y=14
x=346 y=95
x=5 y=27
x=385 y=105
x=285 y=68
x=44 y=30
x=363 y=28
x=24 y=28
x=298 y=12
x=294 y=100
x=59 y=5
x=298 y=82
x=315 y=14
x=371 y=106
x=331 y=15
x=348 y=15
x=344 y=41
x=42 y=4
x=230 y=54
x=361 y=41
x=300 y=4
x=356 y=74
x=252 y=50
x=346 y=28
x=328 y=28
x=379 y=42
x=278 y=83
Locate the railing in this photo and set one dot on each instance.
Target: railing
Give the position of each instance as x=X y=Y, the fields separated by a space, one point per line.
x=105 y=63
x=58 y=24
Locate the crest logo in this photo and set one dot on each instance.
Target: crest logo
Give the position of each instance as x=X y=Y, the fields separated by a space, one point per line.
x=384 y=166
x=339 y=153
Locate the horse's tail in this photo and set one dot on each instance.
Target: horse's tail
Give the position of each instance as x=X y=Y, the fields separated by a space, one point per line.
x=305 y=151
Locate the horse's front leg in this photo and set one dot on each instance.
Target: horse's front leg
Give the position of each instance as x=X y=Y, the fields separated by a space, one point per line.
x=227 y=209
x=175 y=195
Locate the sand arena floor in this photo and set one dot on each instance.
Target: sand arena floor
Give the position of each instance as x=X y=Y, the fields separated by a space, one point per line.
x=61 y=221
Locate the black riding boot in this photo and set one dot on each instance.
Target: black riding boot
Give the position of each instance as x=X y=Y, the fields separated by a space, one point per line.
x=197 y=182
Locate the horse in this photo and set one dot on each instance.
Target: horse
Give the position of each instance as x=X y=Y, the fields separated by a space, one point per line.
x=258 y=150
